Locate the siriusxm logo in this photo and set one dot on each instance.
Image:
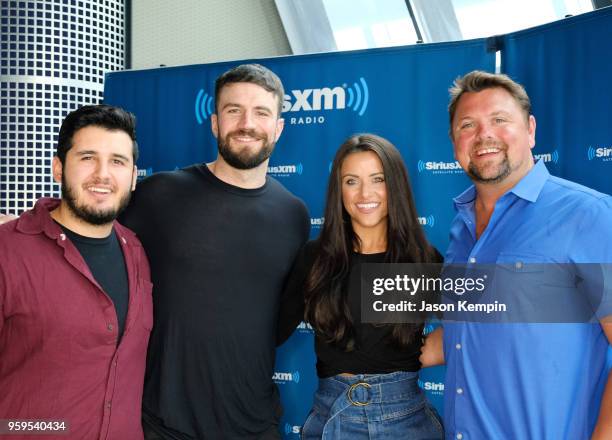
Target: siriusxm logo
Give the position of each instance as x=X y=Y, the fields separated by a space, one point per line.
x=327 y=98
x=439 y=167
x=280 y=377
x=292 y=429
x=603 y=153
x=144 y=172
x=548 y=157
x=317 y=222
x=430 y=221
x=286 y=170
x=434 y=387
x=203 y=106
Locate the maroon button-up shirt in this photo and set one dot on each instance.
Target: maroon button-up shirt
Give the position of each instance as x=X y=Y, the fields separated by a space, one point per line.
x=59 y=357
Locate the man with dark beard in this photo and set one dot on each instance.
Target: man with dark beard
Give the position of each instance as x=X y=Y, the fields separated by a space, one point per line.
x=221 y=238
x=75 y=295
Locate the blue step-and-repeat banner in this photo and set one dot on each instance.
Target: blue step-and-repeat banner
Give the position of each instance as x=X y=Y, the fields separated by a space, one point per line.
x=401 y=94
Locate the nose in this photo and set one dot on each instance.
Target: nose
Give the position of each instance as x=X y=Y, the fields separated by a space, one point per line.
x=102 y=169
x=365 y=190
x=246 y=120
x=484 y=131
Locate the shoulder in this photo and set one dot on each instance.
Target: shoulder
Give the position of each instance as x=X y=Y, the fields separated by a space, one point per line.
x=162 y=179
x=584 y=215
x=567 y=191
x=278 y=190
x=8 y=235
x=159 y=192
x=569 y=200
x=8 y=226
x=286 y=200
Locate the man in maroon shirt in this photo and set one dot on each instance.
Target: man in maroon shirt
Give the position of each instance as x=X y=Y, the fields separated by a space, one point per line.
x=75 y=293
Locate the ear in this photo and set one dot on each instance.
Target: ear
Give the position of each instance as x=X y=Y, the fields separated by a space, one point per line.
x=214 y=125
x=280 y=124
x=134 y=177
x=57 y=169
x=532 y=131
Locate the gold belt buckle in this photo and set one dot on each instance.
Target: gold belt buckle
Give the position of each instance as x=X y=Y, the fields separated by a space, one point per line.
x=350 y=392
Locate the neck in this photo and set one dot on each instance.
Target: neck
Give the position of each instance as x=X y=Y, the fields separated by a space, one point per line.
x=372 y=241
x=65 y=217
x=247 y=179
x=488 y=194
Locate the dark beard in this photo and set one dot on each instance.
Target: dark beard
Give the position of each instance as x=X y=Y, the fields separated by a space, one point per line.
x=88 y=215
x=244 y=160
x=474 y=173
x=504 y=171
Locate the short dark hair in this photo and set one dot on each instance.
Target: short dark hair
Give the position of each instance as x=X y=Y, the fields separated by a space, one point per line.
x=255 y=74
x=101 y=115
x=477 y=81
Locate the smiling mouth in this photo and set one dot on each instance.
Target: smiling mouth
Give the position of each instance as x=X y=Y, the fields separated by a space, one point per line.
x=487 y=151
x=245 y=139
x=366 y=206
x=98 y=190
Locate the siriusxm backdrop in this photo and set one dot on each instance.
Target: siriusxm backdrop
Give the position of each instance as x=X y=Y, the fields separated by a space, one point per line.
x=401 y=94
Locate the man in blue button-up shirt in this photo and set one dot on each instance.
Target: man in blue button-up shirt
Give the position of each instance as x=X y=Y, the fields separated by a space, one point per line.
x=521 y=380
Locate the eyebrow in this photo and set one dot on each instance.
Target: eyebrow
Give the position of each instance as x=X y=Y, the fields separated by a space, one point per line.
x=259 y=107
x=95 y=153
x=495 y=113
x=121 y=156
x=355 y=175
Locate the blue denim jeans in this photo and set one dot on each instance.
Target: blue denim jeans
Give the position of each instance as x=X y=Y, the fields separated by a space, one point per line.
x=372 y=406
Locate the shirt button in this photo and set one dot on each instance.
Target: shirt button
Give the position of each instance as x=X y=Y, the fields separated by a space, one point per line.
x=108 y=405
x=62 y=237
x=472 y=259
x=458 y=346
x=110 y=327
x=459 y=436
x=123 y=240
x=459 y=390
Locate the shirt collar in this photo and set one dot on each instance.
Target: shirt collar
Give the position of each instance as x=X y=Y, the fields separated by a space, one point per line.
x=528 y=188
x=39 y=219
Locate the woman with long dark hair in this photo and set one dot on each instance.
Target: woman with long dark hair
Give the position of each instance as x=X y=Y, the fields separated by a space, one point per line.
x=367 y=373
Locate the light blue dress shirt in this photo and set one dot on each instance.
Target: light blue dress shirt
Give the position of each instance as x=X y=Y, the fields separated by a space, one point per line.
x=528 y=381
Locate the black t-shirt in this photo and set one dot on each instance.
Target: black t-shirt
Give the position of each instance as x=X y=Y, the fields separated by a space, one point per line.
x=374 y=351
x=219 y=259
x=105 y=260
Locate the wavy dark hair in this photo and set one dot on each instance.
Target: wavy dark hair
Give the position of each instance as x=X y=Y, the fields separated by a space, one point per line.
x=327 y=308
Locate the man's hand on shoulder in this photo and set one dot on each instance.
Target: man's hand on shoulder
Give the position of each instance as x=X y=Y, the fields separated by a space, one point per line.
x=4 y=218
